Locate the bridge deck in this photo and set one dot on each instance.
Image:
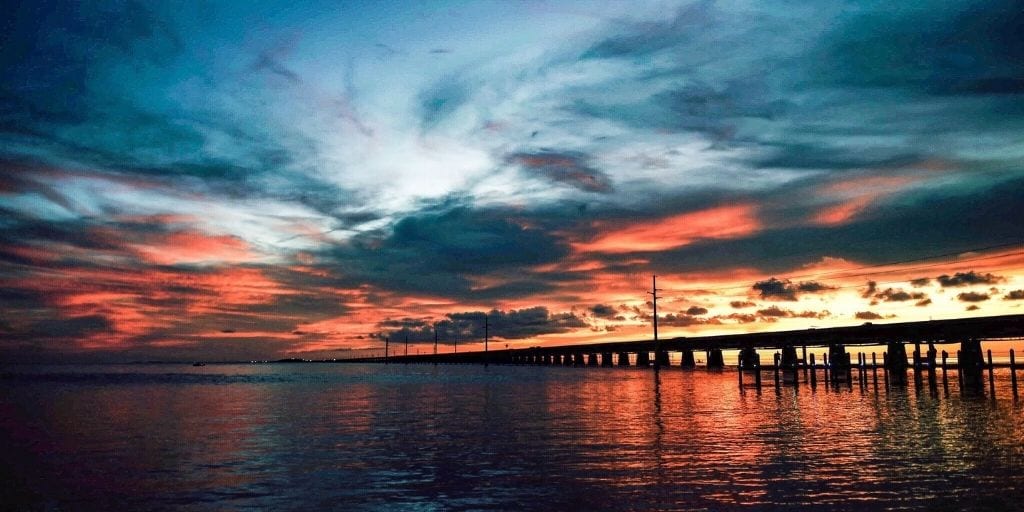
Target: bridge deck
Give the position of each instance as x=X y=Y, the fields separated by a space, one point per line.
x=937 y=331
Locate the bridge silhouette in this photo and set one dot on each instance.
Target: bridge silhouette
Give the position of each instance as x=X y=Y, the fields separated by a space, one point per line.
x=967 y=332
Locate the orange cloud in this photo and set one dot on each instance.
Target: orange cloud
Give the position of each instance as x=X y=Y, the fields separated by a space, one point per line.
x=194 y=247
x=675 y=231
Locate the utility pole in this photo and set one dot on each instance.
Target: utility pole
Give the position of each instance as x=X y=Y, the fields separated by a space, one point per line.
x=654 y=300
x=486 y=336
x=435 y=339
x=385 y=350
x=407 y=344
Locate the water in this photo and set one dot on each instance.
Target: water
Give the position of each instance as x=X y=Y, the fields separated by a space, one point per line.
x=354 y=437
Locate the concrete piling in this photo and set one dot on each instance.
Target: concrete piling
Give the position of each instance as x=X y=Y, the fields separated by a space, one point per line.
x=643 y=358
x=687 y=360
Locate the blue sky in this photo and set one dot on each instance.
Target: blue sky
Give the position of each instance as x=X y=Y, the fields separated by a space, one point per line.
x=301 y=177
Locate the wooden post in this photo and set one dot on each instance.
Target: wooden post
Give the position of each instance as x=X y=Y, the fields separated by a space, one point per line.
x=814 y=374
x=1013 y=373
x=757 y=375
x=945 y=383
x=874 y=369
x=991 y=375
x=776 y=370
x=825 y=366
x=960 y=370
x=885 y=369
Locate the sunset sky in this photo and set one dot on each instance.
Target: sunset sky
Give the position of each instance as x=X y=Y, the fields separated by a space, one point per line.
x=251 y=180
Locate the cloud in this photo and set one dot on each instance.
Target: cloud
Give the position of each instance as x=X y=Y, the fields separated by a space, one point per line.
x=469 y=326
x=898 y=295
x=776 y=289
x=919 y=282
x=1014 y=295
x=777 y=312
x=972 y=297
x=867 y=315
x=604 y=311
x=567 y=168
x=870 y=290
x=968 y=278
x=696 y=310
x=740 y=304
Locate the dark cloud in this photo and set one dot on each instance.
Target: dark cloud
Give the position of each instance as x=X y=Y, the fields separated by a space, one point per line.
x=776 y=289
x=898 y=295
x=569 y=168
x=1014 y=295
x=685 y=320
x=968 y=278
x=972 y=307
x=870 y=290
x=913 y=227
x=740 y=304
x=919 y=282
x=696 y=310
x=972 y=297
x=469 y=326
x=777 y=312
x=438 y=251
x=867 y=315
x=923 y=302
x=605 y=311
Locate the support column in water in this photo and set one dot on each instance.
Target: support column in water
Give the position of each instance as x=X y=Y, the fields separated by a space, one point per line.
x=592 y=359
x=661 y=358
x=749 y=359
x=688 y=360
x=715 y=359
x=623 y=358
x=643 y=358
x=606 y=359
x=789 y=364
x=971 y=363
x=839 y=364
x=896 y=363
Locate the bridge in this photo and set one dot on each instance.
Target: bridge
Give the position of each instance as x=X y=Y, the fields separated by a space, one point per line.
x=967 y=332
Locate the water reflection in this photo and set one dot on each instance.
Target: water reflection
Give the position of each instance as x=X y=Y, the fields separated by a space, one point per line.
x=464 y=437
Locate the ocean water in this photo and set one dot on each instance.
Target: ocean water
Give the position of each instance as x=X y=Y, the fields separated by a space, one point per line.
x=423 y=437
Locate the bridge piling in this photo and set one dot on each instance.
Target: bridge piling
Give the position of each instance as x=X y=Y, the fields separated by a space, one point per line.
x=688 y=361
x=715 y=359
x=971 y=363
x=592 y=359
x=643 y=358
x=897 y=363
x=606 y=359
x=623 y=358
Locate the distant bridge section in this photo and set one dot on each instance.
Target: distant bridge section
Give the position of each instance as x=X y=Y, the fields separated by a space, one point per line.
x=895 y=335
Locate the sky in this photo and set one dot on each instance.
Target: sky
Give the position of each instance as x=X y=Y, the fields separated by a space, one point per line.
x=255 y=180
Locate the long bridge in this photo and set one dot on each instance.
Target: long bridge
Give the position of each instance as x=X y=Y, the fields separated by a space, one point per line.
x=967 y=332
